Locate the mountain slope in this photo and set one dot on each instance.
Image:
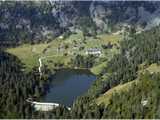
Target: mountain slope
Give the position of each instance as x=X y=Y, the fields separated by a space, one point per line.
x=119 y=72
x=141 y=100
x=106 y=97
x=34 y=21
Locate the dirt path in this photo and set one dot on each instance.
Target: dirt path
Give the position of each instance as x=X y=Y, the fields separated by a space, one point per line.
x=41 y=64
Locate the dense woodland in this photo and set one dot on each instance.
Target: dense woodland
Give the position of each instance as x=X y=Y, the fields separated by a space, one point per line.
x=16 y=86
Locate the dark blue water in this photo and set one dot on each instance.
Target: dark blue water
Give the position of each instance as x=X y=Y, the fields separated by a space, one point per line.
x=67 y=85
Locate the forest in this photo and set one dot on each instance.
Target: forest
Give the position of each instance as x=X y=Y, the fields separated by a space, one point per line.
x=16 y=86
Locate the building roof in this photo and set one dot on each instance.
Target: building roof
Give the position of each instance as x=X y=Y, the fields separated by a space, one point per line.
x=40 y=103
x=93 y=50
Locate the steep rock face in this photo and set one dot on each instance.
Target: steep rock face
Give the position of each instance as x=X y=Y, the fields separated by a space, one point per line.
x=145 y=14
x=34 y=21
x=99 y=15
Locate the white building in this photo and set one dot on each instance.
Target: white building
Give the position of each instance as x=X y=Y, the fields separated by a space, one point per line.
x=44 y=106
x=61 y=37
x=144 y=102
x=93 y=51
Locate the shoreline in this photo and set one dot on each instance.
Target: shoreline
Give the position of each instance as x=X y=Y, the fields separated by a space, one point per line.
x=74 y=68
x=55 y=71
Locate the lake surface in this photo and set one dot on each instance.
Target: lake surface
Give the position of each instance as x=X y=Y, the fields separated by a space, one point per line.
x=67 y=85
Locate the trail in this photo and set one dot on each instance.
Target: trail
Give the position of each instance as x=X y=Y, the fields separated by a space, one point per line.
x=40 y=62
x=40 y=65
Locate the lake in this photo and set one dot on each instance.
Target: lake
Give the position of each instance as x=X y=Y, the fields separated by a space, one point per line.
x=67 y=84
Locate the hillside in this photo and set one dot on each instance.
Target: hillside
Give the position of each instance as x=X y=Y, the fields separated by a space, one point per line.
x=63 y=51
x=106 y=97
x=122 y=88
x=138 y=59
x=35 y=21
x=134 y=99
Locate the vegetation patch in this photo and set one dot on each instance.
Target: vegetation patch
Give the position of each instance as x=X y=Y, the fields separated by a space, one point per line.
x=61 y=51
x=98 y=68
x=106 y=97
x=110 y=38
x=28 y=54
x=153 y=68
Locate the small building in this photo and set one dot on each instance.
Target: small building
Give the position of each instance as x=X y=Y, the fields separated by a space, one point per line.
x=93 y=51
x=39 y=106
x=144 y=102
x=61 y=37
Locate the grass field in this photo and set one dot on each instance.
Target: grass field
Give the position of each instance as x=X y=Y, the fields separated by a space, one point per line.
x=28 y=54
x=153 y=68
x=98 y=68
x=54 y=51
x=113 y=39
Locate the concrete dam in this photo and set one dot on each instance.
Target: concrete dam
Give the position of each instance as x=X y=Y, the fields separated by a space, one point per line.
x=44 y=106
